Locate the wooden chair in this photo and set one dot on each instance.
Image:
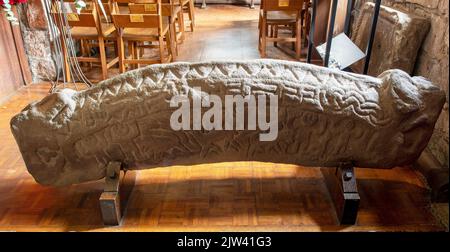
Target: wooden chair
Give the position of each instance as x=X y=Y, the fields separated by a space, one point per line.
x=104 y=14
x=276 y=13
x=188 y=7
x=86 y=26
x=305 y=24
x=173 y=10
x=143 y=23
x=168 y=9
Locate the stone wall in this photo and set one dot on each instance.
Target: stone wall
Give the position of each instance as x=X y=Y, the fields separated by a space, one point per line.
x=33 y=24
x=432 y=60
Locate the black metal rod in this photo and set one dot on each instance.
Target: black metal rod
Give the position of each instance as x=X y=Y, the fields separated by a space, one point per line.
x=312 y=31
x=372 y=36
x=348 y=16
x=330 y=32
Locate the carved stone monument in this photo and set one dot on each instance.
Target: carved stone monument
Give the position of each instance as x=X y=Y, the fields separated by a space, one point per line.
x=325 y=117
x=398 y=38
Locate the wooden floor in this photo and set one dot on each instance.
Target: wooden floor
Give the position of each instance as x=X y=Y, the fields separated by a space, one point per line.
x=227 y=32
x=244 y=196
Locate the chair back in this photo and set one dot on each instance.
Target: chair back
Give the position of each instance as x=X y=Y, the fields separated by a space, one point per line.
x=128 y=2
x=142 y=8
x=167 y=6
x=146 y=15
x=86 y=18
x=282 y=5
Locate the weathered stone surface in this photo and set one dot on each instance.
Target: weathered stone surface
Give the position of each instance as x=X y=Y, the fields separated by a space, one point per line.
x=398 y=38
x=36 y=14
x=44 y=69
x=37 y=44
x=35 y=34
x=325 y=117
x=432 y=60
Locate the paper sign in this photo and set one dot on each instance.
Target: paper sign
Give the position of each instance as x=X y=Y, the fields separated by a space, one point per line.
x=149 y=7
x=343 y=52
x=136 y=18
x=283 y=3
x=73 y=17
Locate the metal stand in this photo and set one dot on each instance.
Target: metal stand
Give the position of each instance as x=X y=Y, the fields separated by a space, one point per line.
x=372 y=36
x=341 y=184
x=330 y=32
x=334 y=4
x=312 y=30
x=118 y=187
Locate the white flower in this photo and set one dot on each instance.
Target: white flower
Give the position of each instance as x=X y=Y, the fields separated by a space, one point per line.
x=80 y=3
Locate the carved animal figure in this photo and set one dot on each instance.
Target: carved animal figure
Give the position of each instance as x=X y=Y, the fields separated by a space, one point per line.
x=325 y=117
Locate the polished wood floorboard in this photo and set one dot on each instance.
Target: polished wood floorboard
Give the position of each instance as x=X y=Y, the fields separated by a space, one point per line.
x=241 y=196
x=226 y=32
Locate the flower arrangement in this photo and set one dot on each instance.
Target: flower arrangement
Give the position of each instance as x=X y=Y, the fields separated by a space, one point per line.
x=7 y=5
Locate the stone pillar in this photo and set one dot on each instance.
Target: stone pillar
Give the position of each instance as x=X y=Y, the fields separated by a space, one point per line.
x=33 y=24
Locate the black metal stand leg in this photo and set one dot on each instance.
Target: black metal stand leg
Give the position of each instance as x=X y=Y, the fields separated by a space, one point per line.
x=330 y=33
x=118 y=187
x=341 y=184
x=312 y=31
x=373 y=29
